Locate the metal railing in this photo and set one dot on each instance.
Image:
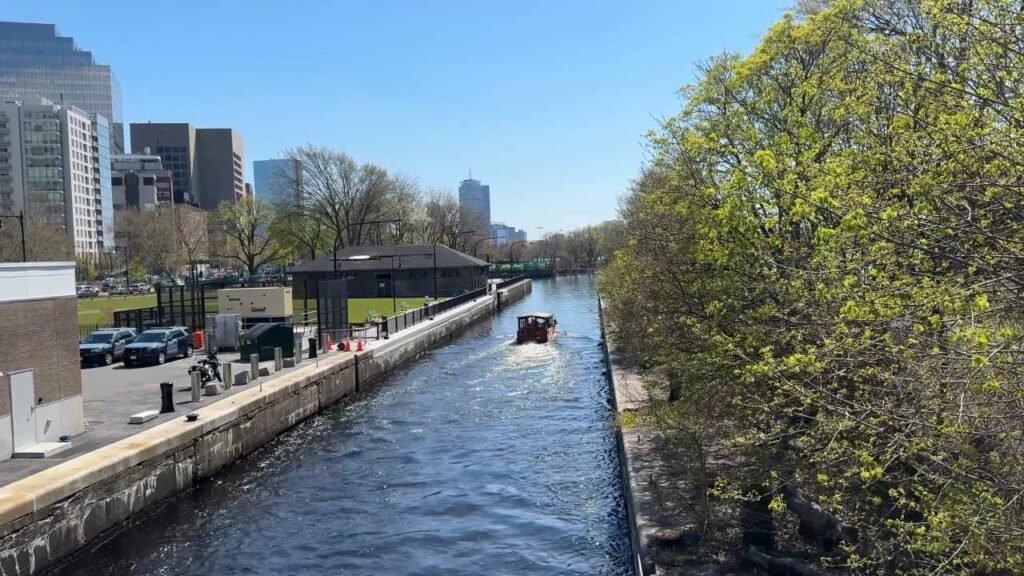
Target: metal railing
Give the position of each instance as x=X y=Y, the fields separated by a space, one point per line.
x=400 y=322
x=510 y=281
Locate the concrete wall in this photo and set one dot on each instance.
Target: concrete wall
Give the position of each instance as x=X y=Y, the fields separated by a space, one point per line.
x=48 y=516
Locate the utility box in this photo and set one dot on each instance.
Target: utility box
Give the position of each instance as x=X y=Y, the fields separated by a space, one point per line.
x=256 y=305
x=222 y=332
x=261 y=340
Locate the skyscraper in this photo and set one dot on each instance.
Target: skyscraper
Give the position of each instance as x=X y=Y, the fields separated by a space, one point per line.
x=35 y=61
x=208 y=163
x=277 y=179
x=55 y=165
x=475 y=198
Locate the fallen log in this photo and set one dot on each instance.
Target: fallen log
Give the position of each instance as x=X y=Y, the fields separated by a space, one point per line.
x=777 y=566
x=816 y=523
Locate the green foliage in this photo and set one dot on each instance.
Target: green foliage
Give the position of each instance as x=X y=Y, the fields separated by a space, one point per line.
x=824 y=260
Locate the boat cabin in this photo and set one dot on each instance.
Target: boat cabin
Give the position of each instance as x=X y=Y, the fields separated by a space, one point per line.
x=538 y=327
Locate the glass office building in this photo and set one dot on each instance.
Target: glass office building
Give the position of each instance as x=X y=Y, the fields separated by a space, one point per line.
x=36 y=61
x=276 y=180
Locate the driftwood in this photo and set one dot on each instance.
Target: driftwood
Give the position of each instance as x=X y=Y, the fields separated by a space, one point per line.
x=776 y=566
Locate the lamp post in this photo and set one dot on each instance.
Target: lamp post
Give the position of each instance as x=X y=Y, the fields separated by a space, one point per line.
x=513 y=245
x=21 y=222
x=337 y=237
x=477 y=244
x=394 y=293
x=454 y=235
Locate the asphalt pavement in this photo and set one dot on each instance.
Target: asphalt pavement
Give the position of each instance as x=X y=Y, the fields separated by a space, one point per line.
x=111 y=394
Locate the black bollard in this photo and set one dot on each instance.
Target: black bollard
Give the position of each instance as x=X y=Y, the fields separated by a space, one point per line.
x=166 y=397
x=312 y=347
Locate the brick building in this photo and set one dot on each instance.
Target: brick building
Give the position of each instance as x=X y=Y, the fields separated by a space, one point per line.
x=40 y=375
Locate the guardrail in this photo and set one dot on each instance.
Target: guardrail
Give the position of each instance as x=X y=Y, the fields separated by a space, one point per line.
x=510 y=281
x=400 y=322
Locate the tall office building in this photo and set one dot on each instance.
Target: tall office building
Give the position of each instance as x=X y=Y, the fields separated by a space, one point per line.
x=35 y=61
x=55 y=166
x=475 y=197
x=207 y=163
x=277 y=179
x=503 y=234
x=140 y=181
x=221 y=161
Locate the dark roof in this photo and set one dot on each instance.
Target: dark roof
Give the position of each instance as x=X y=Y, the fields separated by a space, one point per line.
x=415 y=256
x=547 y=315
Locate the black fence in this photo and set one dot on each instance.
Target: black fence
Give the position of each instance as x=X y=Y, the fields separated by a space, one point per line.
x=510 y=281
x=410 y=318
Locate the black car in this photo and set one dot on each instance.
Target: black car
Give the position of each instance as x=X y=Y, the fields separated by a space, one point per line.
x=158 y=345
x=105 y=346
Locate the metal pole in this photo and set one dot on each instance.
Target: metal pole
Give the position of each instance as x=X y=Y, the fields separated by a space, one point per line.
x=229 y=378
x=21 y=221
x=435 y=270
x=196 y=384
x=394 y=298
x=254 y=366
x=127 y=279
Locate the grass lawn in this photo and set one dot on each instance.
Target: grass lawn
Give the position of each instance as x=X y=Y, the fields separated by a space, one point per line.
x=100 y=310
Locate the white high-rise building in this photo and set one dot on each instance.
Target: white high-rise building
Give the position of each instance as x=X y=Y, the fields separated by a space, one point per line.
x=55 y=166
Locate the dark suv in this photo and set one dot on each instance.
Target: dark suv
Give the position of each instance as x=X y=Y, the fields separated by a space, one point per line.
x=105 y=346
x=158 y=345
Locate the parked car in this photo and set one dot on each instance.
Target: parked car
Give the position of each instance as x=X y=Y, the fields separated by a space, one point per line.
x=88 y=291
x=118 y=289
x=157 y=345
x=139 y=288
x=105 y=346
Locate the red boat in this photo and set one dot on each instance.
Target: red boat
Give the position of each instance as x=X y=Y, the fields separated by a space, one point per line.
x=538 y=327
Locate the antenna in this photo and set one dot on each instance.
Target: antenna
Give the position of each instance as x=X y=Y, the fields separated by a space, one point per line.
x=471 y=173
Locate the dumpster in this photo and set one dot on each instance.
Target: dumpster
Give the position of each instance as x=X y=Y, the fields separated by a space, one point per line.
x=261 y=340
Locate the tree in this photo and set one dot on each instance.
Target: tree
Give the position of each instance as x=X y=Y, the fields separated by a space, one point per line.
x=192 y=232
x=152 y=237
x=824 y=262
x=240 y=233
x=341 y=197
x=43 y=241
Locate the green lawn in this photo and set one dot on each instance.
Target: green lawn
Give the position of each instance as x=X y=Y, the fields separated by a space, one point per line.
x=100 y=310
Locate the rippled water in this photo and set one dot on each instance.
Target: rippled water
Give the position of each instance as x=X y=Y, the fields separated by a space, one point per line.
x=482 y=457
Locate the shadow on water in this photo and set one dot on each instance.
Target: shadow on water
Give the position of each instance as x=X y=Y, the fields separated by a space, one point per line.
x=480 y=458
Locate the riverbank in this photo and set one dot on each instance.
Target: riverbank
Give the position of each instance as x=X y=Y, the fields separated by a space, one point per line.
x=665 y=478
x=48 y=516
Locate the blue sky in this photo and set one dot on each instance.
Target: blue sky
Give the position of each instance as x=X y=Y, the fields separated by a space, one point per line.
x=548 y=101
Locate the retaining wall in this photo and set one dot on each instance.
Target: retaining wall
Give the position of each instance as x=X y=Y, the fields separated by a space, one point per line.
x=48 y=516
x=628 y=393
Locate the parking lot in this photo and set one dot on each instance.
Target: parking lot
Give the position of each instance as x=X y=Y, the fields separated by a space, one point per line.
x=111 y=394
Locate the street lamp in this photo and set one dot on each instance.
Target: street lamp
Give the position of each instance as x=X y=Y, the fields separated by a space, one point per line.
x=454 y=235
x=394 y=293
x=337 y=237
x=513 y=245
x=492 y=238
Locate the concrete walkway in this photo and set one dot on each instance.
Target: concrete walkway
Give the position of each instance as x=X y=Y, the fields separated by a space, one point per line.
x=111 y=394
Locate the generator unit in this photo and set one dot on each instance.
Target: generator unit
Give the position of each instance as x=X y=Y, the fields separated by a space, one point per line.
x=256 y=305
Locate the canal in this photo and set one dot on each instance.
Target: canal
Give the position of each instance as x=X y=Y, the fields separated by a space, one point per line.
x=481 y=457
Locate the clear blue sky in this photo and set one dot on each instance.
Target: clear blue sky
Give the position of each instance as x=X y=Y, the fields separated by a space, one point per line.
x=547 y=101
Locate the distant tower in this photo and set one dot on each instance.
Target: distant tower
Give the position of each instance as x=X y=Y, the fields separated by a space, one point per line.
x=475 y=197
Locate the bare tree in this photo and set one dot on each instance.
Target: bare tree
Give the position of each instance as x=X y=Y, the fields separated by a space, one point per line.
x=241 y=233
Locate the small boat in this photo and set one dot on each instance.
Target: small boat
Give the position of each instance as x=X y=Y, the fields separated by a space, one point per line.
x=537 y=327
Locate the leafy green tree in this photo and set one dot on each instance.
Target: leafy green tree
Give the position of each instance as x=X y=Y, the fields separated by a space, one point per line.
x=824 y=262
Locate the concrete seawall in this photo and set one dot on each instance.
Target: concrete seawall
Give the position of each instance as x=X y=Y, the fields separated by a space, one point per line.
x=641 y=501
x=48 y=516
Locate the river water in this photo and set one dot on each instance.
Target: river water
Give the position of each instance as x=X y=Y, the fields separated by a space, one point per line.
x=481 y=457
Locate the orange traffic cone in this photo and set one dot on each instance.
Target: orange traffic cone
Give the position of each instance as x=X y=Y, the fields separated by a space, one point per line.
x=360 y=345
x=330 y=343
x=348 y=345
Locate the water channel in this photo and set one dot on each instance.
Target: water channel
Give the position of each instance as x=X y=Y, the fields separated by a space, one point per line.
x=481 y=457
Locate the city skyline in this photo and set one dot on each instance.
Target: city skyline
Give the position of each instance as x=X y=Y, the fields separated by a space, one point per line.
x=554 y=115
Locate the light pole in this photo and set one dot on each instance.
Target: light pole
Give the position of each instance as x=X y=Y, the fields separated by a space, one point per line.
x=492 y=238
x=394 y=293
x=454 y=235
x=337 y=237
x=513 y=245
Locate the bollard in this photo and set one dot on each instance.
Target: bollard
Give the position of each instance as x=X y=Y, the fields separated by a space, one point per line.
x=254 y=367
x=229 y=381
x=278 y=359
x=166 y=397
x=298 y=351
x=312 y=347
x=197 y=384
